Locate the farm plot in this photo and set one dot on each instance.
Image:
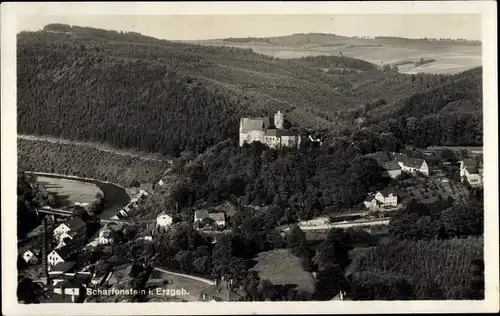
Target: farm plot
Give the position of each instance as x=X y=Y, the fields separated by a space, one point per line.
x=281 y=267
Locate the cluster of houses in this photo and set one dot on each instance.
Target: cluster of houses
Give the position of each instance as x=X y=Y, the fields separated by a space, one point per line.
x=396 y=163
x=223 y=291
x=139 y=195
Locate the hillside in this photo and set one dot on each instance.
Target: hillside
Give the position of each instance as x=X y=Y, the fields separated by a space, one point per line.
x=433 y=269
x=133 y=91
x=447 y=55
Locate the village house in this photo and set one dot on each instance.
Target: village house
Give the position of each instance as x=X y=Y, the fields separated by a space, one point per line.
x=269 y=133
x=74 y=225
x=63 y=254
x=31 y=256
x=219 y=219
x=470 y=172
x=106 y=233
x=395 y=163
x=75 y=288
x=223 y=291
x=203 y=217
x=382 y=199
x=163 y=220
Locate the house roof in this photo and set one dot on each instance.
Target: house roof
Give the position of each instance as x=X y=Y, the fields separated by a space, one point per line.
x=64 y=266
x=164 y=214
x=64 y=252
x=76 y=223
x=469 y=163
x=227 y=208
x=201 y=214
x=472 y=170
x=387 y=191
x=258 y=123
x=399 y=157
x=280 y=132
x=369 y=198
x=414 y=162
x=391 y=165
x=224 y=292
x=217 y=216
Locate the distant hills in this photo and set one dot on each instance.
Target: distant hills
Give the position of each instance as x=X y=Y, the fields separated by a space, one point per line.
x=135 y=91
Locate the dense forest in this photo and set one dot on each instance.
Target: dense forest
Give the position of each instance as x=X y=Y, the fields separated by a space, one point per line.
x=154 y=95
x=87 y=162
x=425 y=269
x=304 y=183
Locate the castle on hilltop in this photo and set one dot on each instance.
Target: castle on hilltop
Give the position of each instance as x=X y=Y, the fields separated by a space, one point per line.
x=272 y=134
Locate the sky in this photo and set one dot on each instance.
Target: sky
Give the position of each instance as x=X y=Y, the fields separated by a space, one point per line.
x=198 y=27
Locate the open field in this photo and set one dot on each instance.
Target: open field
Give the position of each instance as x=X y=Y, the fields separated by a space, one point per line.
x=281 y=267
x=449 y=57
x=70 y=190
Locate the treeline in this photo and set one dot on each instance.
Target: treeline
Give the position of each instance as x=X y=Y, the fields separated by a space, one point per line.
x=87 y=162
x=419 y=270
x=303 y=184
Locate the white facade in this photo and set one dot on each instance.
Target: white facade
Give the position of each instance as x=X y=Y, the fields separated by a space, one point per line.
x=54 y=258
x=261 y=130
x=60 y=230
x=424 y=168
x=164 y=220
x=389 y=200
x=29 y=257
x=73 y=291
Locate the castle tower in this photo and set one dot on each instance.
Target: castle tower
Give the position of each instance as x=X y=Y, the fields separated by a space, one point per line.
x=279 y=120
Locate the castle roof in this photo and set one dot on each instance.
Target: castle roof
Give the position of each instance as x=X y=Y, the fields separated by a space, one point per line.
x=258 y=123
x=280 y=132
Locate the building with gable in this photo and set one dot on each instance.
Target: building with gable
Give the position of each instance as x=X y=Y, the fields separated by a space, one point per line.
x=74 y=225
x=163 y=220
x=395 y=163
x=269 y=133
x=63 y=254
x=385 y=198
x=31 y=256
x=470 y=172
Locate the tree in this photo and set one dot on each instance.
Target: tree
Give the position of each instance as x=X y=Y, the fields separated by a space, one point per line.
x=295 y=239
x=330 y=280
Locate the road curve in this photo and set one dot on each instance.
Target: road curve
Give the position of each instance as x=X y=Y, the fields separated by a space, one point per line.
x=207 y=281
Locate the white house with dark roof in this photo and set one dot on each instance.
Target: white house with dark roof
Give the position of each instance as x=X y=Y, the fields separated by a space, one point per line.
x=269 y=133
x=395 y=163
x=75 y=224
x=31 y=256
x=469 y=172
x=59 y=255
x=218 y=218
x=385 y=198
x=163 y=220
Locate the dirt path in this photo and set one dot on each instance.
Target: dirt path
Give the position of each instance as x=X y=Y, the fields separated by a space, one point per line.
x=192 y=277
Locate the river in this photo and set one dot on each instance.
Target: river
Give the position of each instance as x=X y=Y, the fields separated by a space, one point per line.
x=115 y=197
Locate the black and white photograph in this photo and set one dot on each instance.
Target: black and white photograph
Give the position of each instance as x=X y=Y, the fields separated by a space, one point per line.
x=335 y=157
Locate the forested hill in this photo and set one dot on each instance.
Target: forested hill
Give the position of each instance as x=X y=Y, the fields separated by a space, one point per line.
x=140 y=92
